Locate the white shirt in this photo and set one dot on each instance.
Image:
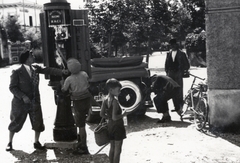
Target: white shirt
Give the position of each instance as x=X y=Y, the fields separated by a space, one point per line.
x=28 y=69
x=174 y=55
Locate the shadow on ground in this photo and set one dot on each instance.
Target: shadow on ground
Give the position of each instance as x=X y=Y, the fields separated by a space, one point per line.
x=139 y=123
x=143 y=122
x=57 y=155
x=230 y=136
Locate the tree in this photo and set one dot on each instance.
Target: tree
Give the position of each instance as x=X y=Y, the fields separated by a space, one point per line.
x=118 y=23
x=107 y=23
x=180 y=24
x=160 y=17
x=196 y=41
x=196 y=47
x=196 y=9
x=13 y=29
x=136 y=24
x=34 y=36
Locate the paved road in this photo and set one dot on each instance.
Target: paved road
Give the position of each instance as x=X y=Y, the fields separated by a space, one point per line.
x=147 y=142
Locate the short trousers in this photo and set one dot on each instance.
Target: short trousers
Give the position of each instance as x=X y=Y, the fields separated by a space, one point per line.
x=116 y=132
x=19 y=114
x=80 y=110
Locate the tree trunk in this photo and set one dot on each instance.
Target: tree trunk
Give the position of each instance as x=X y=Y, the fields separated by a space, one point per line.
x=109 y=45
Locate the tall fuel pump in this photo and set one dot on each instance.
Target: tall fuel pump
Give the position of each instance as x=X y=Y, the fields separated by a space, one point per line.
x=64 y=35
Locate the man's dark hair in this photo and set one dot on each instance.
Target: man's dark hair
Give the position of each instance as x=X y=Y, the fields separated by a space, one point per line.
x=113 y=83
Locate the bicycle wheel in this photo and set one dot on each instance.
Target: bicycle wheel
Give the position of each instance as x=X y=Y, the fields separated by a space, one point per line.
x=201 y=114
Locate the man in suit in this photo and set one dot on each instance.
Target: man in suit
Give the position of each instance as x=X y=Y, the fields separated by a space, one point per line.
x=26 y=101
x=165 y=88
x=175 y=65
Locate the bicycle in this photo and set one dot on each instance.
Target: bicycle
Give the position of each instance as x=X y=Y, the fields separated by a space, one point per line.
x=196 y=102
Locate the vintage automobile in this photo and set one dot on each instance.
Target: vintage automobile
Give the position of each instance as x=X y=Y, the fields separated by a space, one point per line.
x=134 y=76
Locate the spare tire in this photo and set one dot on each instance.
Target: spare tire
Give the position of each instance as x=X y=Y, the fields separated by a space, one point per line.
x=130 y=96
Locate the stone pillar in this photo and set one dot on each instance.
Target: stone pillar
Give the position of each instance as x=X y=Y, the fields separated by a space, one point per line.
x=223 y=62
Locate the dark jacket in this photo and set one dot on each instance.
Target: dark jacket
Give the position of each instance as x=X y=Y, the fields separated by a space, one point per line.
x=162 y=83
x=180 y=63
x=50 y=71
x=21 y=85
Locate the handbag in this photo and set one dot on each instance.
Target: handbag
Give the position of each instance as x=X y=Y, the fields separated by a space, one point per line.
x=101 y=133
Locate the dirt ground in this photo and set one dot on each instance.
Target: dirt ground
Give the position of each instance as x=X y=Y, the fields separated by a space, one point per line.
x=146 y=142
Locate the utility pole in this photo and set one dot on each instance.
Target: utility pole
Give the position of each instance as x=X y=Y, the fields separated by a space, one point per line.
x=3 y=9
x=24 y=16
x=35 y=4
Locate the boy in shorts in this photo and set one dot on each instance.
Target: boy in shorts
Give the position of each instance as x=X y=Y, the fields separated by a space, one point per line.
x=77 y=84
x=112 y=111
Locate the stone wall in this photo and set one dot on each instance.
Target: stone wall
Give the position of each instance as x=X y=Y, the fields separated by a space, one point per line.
x=223 y=61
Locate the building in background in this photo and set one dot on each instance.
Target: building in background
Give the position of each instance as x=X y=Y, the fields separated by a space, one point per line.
x=27 y=11
x=28 y=16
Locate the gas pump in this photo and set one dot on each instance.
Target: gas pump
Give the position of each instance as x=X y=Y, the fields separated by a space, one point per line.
x=64 y=35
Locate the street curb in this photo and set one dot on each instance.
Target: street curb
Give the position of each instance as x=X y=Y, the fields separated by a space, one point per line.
x=64 y=145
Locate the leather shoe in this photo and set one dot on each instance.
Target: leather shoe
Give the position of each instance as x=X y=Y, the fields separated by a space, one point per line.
x=38 y=145
x=179 y=112
x=165 y=119
x=9 y=147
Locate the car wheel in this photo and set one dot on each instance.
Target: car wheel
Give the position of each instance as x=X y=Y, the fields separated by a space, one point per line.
x=130 y=96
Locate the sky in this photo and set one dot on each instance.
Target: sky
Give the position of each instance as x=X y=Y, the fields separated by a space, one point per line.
x=74 y=3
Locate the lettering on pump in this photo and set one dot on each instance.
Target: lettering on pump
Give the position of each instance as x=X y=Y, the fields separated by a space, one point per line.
x=55 y=17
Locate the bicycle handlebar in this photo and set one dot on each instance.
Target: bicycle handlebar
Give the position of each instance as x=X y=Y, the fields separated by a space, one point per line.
x=196 y=77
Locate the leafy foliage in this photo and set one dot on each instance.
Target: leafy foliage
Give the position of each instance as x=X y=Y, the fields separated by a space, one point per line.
x=180 y=21
x=196 y=41
x=13 y=29
x=15 y=33
x=136 y=25
x=34 y=36
x=196 y=47
x=129 y=26
x=196 y=9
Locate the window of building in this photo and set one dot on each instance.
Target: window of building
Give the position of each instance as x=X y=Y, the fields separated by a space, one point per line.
x=30 y=21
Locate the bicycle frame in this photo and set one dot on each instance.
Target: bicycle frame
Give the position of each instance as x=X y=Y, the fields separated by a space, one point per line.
x=195 y=93
x=195 y=77
x=198 y=89
x=196 y=101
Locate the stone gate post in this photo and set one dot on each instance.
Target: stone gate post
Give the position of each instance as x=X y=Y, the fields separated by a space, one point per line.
x=223 y=57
